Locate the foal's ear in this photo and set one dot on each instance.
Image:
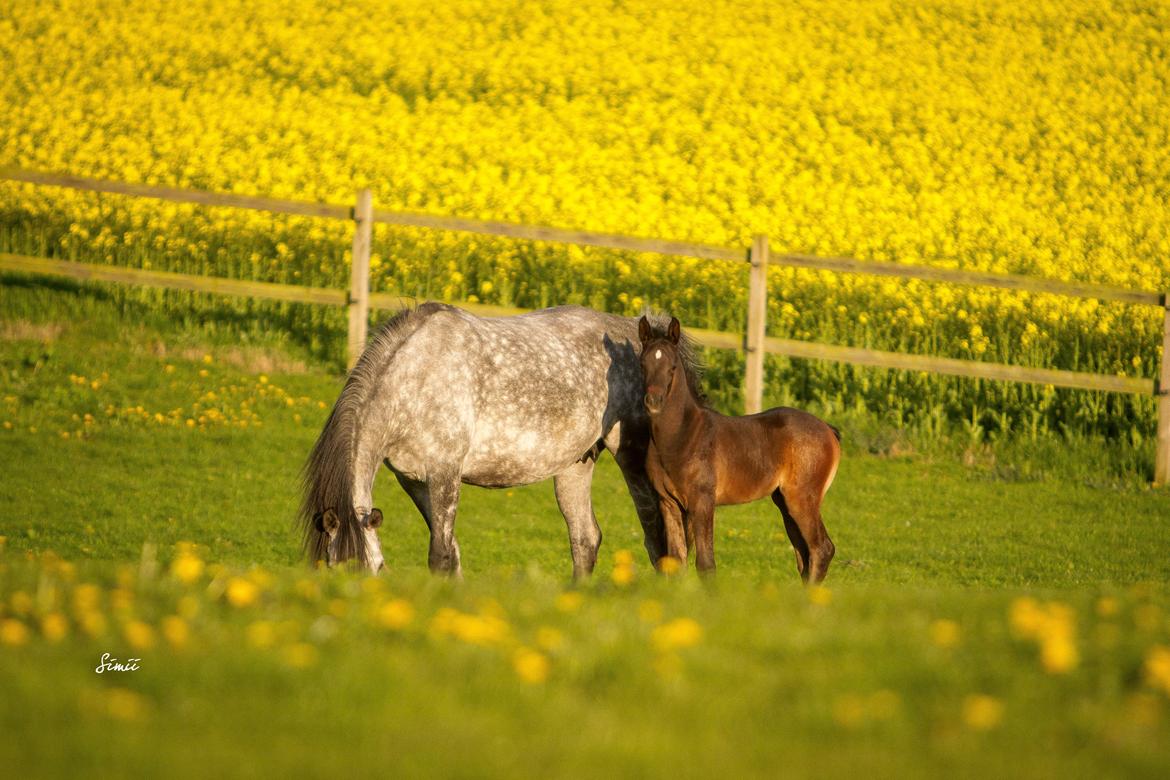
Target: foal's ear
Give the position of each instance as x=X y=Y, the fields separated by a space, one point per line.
x=374 y=519
x=328 y=523
x=645 y=333
x=673 y=331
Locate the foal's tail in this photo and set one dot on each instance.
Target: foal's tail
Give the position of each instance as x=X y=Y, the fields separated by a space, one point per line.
x=835 y=431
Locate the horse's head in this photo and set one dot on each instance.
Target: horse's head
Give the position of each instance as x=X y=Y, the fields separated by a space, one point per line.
x=660 y=362
x=343 y=538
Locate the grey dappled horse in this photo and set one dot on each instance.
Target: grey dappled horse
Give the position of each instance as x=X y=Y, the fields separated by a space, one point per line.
x=444 y=397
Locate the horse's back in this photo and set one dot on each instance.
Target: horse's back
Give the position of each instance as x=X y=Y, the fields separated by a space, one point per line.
x=519 y=398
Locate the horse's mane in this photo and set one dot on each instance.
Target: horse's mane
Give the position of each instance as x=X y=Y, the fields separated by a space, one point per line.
x=327 y=476
x=687 y=352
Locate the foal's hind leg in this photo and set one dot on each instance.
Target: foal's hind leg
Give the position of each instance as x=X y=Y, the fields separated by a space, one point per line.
x=798 y=545
x=443 y=487
x=802 y=519
x=572 y=487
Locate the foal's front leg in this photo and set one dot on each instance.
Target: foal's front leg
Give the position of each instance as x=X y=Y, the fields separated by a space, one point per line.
x=676 y=536
x=701 y=515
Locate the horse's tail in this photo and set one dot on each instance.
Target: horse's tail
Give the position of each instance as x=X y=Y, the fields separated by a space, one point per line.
x=328 y=476
x=836 y=432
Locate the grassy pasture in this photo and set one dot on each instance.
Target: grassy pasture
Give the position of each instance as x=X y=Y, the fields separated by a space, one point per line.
x=969 y=625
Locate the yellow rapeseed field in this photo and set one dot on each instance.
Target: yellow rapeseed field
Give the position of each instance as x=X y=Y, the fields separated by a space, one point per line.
x=1004 y=136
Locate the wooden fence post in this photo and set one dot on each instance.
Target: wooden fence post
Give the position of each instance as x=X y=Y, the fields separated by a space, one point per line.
x=359 y=284
x=753 y=378
x=1162 y=388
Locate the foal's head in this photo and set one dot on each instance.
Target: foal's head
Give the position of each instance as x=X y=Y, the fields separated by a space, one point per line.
x=662 y=370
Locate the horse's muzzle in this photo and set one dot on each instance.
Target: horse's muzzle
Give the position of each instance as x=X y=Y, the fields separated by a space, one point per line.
x=653 y=402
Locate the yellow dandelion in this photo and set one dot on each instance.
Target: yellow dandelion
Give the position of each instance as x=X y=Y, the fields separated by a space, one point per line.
x=300 y=655
x=187 y=567
x=944 y=633
x=531 y=666
x=622 y=575
x=669 y=565
x=1107 y=606
x=677 y=633
x=54 y=626
x=982 y=712
x=139 y=635
x=1157 y=668
x=13 y=633
x=570 y=601
x=241 y=592
x=126 y=705
x=396 y=614
x=820 y=595
x=22 y=603
x=93 y=624
x=261 y=634
x=176 y=631
x=549 y=639
x=1058 y=654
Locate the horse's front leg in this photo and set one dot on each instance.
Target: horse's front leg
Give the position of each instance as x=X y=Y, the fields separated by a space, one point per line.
x=572 y=488
x=443 y=485
x=628 y=446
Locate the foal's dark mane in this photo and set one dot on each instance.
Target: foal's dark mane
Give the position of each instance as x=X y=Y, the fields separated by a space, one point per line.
x=692 y=366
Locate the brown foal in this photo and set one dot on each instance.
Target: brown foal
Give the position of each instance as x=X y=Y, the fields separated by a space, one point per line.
x=699 y=459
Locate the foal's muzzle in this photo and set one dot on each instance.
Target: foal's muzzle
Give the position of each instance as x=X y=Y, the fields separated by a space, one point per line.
x=653 y=401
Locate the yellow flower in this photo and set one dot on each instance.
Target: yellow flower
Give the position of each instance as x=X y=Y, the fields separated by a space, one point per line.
x=622 y=575
x=187 y=567
x=669 y=565
x=982 y=712
x=820 y=595
x=261 y=634
x=549 y=639
x=531 y=666
x=241 y=592
x=944 y=633
x=300 y=655
x=54 y=626
x=139 y=635
x=569 y=601
x=678 y=633
x=396 y=614
x=1157 y=668
x=13 y=632
x=176 y=631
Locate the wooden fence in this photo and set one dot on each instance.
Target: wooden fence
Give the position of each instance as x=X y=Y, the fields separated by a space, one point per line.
x=755 y=343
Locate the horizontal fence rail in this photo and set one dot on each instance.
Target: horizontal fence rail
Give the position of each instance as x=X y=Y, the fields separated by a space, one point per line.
x=360 y=300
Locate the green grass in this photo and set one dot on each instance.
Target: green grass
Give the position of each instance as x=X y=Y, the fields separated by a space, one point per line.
x=780 y=683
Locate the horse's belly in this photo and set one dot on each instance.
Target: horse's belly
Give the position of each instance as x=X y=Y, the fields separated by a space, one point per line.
x=505 y=457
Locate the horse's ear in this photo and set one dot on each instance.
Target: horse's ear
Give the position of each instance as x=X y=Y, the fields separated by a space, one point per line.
x=328 y=523
x=374 y=520
x=644 y=330
x=673 y=332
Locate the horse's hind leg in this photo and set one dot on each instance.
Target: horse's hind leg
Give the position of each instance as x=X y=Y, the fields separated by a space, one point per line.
x=443 y=487
x=573 y=490
x=802 y=515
